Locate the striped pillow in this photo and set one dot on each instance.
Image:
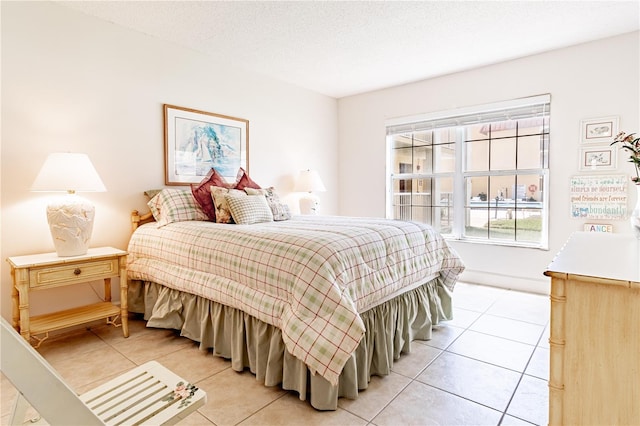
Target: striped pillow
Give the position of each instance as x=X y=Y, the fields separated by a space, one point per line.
x=249 y=209
x=175 y=205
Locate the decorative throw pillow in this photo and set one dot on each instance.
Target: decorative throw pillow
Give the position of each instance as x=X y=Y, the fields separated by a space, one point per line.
x=244 y=181
x=202 y=193
x=175 y=205
x=249 y=209
x=279 y=210
x=223 y=214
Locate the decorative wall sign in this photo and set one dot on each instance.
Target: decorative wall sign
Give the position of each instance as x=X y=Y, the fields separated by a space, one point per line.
x=599 y=197
x=599 y=130
x=195 y=141
x=598 y=227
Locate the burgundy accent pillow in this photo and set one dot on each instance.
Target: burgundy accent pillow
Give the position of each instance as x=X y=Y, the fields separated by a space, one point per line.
x=202 y=193
x=244 y=181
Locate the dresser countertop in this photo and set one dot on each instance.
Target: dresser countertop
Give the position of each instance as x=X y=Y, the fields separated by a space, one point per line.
x=601 y=255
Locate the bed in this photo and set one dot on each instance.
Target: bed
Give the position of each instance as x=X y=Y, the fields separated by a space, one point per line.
x=314 y=304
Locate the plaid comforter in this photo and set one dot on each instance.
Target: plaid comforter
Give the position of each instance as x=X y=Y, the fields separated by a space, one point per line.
x=309 y=276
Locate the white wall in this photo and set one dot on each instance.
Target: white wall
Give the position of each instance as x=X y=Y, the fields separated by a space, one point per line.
x=590 y=80
x=71 y=82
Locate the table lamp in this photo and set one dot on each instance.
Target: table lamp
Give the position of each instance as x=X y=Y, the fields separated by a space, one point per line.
x=309 y=181
x=70 y=217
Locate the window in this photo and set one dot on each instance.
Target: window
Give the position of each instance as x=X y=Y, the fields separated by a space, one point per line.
x=475 y=174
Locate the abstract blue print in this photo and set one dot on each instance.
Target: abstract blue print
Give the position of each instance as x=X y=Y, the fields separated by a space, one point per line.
x=202 y=145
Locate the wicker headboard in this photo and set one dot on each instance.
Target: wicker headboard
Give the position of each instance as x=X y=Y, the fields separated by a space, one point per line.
x=137 y=219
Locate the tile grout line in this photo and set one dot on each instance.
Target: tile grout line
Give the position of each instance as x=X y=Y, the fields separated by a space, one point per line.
x=522 y=373
x=520 y=381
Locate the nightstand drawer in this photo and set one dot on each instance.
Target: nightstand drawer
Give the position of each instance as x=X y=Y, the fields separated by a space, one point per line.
x=72 y=272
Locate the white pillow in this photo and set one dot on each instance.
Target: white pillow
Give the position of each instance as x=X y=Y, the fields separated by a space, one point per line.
x=249 y=209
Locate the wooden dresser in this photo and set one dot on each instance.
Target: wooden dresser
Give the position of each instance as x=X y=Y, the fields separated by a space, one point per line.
x=594 y=375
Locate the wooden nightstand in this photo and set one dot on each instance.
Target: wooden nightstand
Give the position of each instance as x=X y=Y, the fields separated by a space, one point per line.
x=47 y=270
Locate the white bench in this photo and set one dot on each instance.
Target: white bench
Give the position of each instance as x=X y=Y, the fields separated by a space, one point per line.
x=147 y=395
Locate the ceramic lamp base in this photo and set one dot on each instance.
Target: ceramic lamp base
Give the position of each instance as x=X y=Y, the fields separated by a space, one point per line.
x=71 y=224
x=309 y=204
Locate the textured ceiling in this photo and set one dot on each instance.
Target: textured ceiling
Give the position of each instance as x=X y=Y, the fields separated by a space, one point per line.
x=349 y=47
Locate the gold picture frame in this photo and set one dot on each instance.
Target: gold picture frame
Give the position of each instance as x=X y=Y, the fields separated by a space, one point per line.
x=195 y=141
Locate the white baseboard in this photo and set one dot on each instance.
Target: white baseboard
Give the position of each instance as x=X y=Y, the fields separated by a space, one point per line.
x=538 y=286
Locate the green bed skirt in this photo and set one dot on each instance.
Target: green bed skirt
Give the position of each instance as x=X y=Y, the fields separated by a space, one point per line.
x=253 y=344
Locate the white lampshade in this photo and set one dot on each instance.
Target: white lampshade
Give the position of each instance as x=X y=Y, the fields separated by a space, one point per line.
x=70 y=217
x=68 y=172
x=309 y=181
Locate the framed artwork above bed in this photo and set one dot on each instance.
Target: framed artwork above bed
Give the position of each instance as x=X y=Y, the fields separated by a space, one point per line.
x=195 y=141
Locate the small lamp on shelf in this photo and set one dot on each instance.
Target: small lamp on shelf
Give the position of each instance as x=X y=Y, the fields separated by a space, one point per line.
x=70 y=217
x=309 y=181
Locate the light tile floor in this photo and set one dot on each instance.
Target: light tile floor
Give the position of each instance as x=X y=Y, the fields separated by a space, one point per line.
x=488 y=366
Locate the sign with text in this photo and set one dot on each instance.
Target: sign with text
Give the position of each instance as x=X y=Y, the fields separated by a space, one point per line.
x=597 y=227
x=599 y=197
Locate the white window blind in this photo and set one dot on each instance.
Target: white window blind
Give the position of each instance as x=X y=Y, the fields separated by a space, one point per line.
x=509 y=111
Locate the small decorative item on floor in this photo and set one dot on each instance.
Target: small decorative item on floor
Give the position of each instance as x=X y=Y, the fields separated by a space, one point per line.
x=183 y=392
x=632 y=144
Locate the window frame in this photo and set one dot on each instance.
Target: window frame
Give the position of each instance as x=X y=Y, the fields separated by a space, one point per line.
x=488 y=113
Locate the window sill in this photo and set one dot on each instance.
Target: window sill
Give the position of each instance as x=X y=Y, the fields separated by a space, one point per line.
x=514 y=244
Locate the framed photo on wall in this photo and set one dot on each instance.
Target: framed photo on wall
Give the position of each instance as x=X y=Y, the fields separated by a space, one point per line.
x=195 y=141
x=601 y=157
x=599 y=130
